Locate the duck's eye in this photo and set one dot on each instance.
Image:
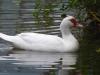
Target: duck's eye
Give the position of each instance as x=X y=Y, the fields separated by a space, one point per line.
x=73 y=20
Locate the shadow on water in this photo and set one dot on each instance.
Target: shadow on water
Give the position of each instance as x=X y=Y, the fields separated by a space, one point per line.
x=22 y=62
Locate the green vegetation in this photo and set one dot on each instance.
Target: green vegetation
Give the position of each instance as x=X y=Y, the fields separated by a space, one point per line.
x=89 y=56
x=42 y=13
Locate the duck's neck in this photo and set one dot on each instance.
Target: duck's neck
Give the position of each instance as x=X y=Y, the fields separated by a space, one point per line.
x=65 y=29
x=66 y=33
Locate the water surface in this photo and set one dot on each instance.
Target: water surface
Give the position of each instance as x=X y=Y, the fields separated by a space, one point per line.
x=27 y=62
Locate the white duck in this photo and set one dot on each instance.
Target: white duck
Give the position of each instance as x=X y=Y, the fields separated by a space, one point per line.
x=43 y=42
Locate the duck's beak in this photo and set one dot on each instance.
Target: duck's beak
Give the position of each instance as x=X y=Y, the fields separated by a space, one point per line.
x=79 y=26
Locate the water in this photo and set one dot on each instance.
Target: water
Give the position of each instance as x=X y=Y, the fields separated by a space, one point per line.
x=21 y=62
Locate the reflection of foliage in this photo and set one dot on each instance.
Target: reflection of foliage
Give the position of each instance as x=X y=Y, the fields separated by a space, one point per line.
x=48 y=10
x=37 y=12
x=52 y=72
x=17 y=2
x=43 y=13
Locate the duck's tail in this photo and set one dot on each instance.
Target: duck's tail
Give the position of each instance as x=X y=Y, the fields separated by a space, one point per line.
x=6 y=37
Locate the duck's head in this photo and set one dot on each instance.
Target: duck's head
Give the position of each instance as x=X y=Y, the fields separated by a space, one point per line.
x=71 y=21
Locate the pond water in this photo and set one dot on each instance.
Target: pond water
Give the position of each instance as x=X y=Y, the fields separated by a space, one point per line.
x=21 y=62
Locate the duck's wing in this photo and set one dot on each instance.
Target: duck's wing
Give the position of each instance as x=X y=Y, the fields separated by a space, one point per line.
x=40 y=38
x=42 y=42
